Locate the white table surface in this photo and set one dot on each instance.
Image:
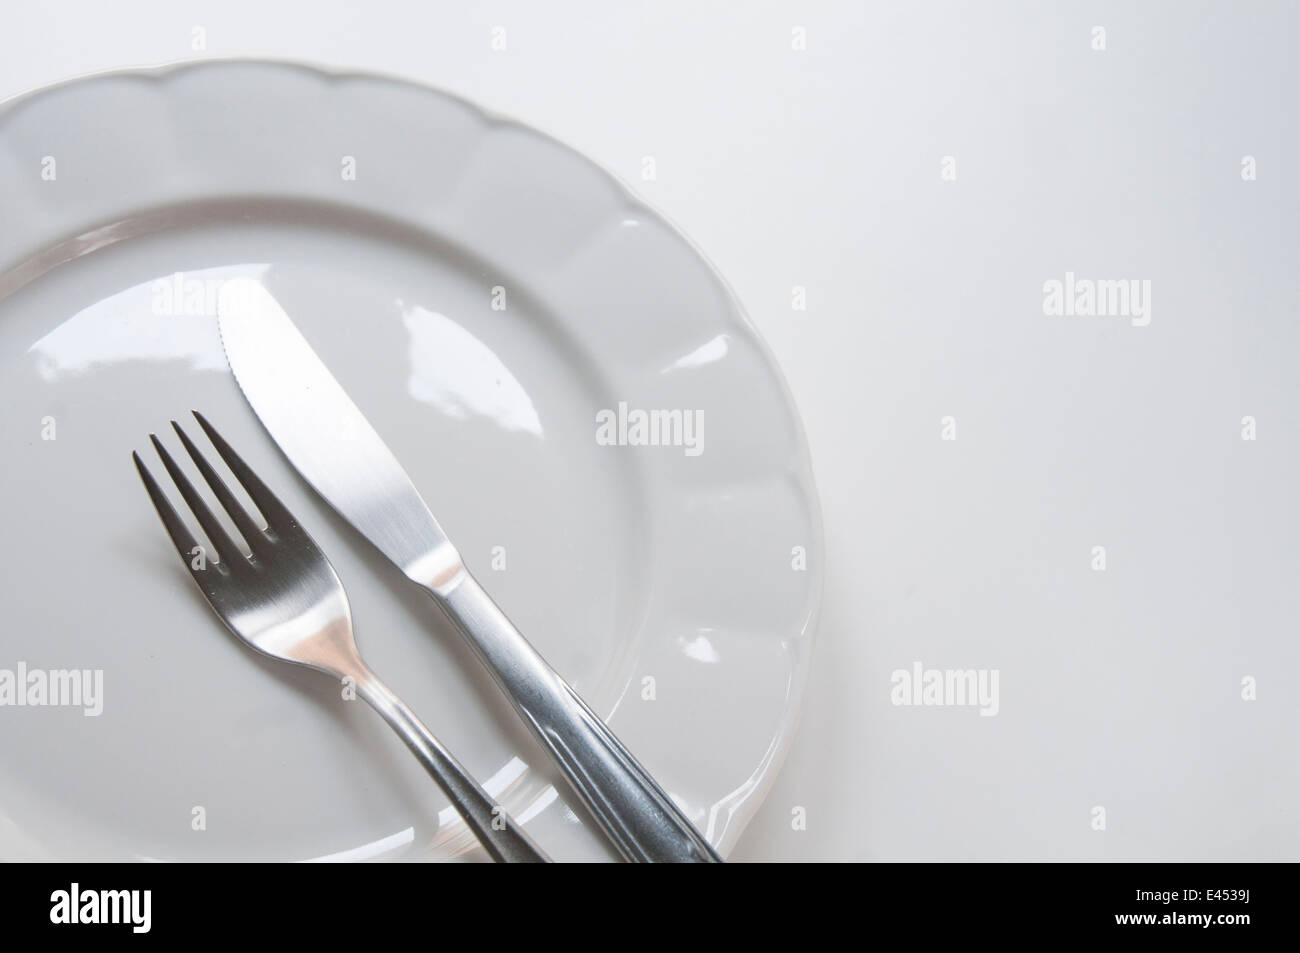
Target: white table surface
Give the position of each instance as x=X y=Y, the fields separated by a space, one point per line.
x=1118 y=689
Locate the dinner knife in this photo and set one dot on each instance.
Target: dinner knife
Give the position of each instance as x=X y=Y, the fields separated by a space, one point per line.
x=337 y=451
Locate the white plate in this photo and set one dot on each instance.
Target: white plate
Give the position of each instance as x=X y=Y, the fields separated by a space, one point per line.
x=667 y=585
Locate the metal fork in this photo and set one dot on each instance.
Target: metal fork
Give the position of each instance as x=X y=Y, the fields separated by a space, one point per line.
x=286 y=601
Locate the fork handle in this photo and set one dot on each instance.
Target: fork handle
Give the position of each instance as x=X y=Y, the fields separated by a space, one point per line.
x=642 y=821
x=496 y=830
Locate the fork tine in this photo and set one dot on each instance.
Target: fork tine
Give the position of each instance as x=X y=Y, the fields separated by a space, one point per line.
x=277 y=517
x=181 y=538
x=247 y=526
x=216 y=534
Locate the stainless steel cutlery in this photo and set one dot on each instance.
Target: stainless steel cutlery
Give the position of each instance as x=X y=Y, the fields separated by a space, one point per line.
x=285 y=600
x=337 y=451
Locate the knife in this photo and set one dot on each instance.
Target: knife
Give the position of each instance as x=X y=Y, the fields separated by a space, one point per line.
x=307 y=413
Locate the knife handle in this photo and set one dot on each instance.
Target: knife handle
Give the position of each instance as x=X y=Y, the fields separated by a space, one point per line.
x=642 y=821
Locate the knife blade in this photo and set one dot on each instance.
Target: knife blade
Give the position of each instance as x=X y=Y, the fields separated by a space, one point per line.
x=341 y=456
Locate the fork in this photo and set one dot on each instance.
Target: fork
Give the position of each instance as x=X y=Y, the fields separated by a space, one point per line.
x=286 y=601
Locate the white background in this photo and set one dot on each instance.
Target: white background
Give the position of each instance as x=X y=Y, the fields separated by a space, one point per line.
x=821 y=168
